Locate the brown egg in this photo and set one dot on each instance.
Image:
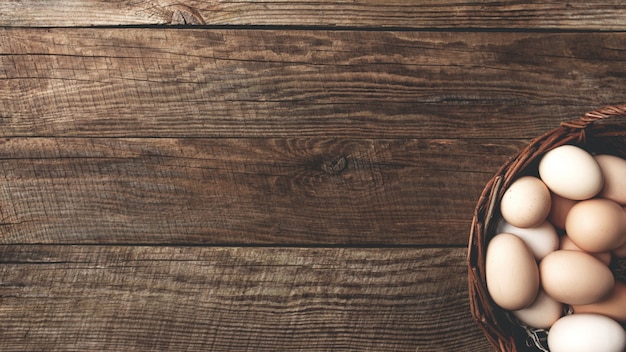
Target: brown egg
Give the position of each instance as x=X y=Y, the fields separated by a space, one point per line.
x=614 y=171
x=511 y=272
x=613 y=306
x=560 y=208
x=566 y=243
x=596 y=225
x=526 y=203
x=620 y=252
x=575 y=277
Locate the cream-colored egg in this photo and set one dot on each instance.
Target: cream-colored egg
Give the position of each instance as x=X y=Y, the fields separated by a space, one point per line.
x=541 y=240
x=596 y=225
x=558 y=212
x=566 y=243
x=542 y=313
x=575 y=277
x=571 y=172
x=526 y=203
x=511 y=272
x=613 y=306
x=614 y=171
x=586 y=333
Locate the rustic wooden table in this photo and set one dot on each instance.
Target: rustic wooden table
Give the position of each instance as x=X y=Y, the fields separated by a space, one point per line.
x=269 y=175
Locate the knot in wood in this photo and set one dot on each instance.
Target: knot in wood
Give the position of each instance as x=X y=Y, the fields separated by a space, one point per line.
x=183 y=15
x=335 y=166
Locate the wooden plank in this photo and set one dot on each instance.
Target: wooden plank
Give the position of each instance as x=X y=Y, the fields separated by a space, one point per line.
x=577 y=14
x=281 y=191
x=258 y=83
x=97 y=298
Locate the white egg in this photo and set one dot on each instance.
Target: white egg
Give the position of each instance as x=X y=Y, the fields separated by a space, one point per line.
x=586 y=333
x=541 y=240
x=542 y=313
x=571 y=172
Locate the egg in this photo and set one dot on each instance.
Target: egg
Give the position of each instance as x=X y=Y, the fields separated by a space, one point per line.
x=614 y=171
x=560 y=207
x=586 y=333
x=596 y=225
x=620 y=252
x=526 y=203
x=566 y=243
x=542 y=313
x=575 y=277
x=541 y=240
x=613 y=306
x=571 y=172
x=511 y=272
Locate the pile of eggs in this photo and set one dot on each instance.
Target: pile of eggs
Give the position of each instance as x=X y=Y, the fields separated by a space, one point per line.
x=553 y=246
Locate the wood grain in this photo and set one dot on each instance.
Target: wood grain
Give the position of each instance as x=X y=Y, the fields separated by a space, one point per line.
x=244 y=191
x=100 y=298
x=259 y=83
x=577 y=14
x=269 y=175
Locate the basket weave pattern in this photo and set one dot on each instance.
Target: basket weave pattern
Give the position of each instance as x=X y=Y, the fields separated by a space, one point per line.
x=598 y=131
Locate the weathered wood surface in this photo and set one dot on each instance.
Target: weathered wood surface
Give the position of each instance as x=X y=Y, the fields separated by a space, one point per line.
x=577 y=14
x=243 y=191
x=260 y=182
x=281 y=83
x=66 y=298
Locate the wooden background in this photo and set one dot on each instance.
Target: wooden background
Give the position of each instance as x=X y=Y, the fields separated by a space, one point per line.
x=269 y=175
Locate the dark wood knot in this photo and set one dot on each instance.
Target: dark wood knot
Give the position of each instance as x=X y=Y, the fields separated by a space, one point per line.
x=335 y=166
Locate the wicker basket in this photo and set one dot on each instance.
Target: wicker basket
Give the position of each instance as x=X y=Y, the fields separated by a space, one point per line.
x=598 y=131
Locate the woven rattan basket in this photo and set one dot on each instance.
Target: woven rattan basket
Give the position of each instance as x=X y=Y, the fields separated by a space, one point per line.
x=600 y=131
